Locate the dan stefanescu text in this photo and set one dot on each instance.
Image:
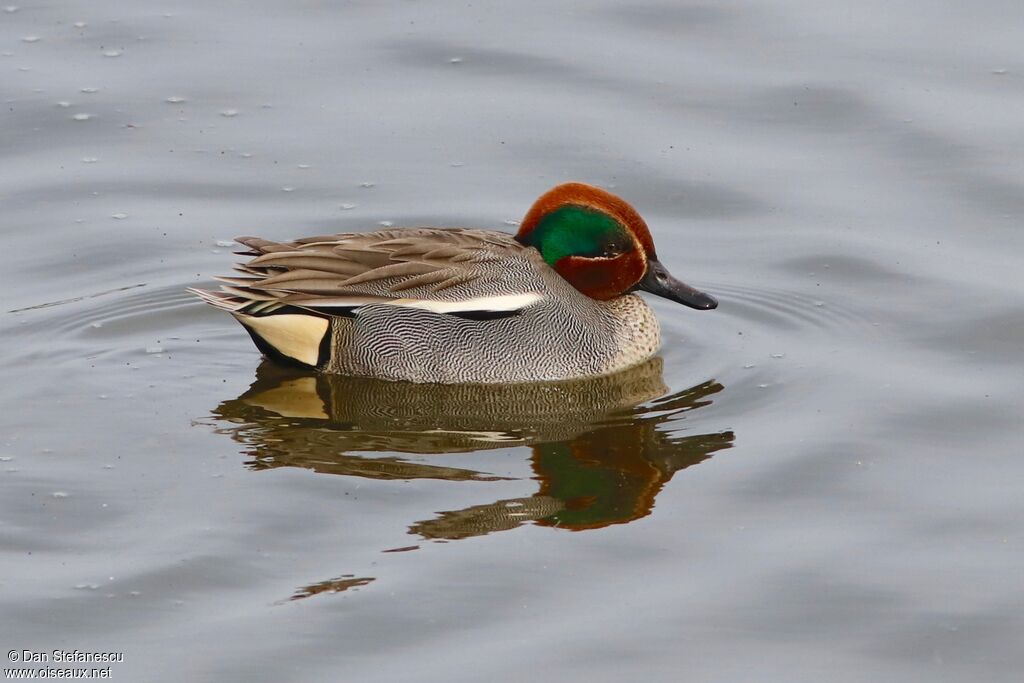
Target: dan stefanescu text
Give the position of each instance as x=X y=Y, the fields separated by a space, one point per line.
x=70 y=656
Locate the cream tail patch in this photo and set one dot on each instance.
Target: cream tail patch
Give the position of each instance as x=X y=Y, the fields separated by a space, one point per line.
x=296 y=336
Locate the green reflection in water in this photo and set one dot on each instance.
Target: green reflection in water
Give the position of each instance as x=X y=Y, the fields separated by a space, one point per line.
x=600 y=447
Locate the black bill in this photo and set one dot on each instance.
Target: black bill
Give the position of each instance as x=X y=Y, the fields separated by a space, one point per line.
x=660 y=282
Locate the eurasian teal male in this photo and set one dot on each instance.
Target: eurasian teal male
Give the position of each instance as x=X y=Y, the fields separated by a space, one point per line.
x=457 y=305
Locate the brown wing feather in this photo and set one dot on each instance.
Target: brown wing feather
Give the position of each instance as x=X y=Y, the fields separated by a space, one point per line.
x=357 y=268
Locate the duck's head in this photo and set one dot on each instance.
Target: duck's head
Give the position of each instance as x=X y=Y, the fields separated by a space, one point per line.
x=601 y=245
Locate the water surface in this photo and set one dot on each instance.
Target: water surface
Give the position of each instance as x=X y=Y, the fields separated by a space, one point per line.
x=819 y=480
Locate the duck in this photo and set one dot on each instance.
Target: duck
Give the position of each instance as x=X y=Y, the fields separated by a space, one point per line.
x=555 y=301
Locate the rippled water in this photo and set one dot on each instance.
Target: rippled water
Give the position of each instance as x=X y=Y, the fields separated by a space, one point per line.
x=821 y=480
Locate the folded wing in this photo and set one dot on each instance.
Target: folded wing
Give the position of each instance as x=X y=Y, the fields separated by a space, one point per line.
x=447 y=270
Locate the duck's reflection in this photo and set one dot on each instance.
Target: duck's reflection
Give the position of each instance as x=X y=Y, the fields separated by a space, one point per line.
x=601 y=448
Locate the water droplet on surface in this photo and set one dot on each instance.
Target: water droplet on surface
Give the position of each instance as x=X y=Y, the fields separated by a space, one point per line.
x=762 y=386
x=6 y=458
x=225 y=243
x=366 y=184
x=112 y=53
x=778 y=355
x=86 y=586
x=31 y=39
x=748 y=366
x=60 y=494
x=385 y=224
x=287 y=189
x=999 y=72
x=96 y=325
x=174 y=99
x=11 y=9
x=63 y=104
x=347 y=206
x=302 y=166
x=154 y=349
x=229 y=113
x=79 y=24
x=119 y=216
x=82 y=117
x=511 y=221
x=455 y=60
x=89 y=90
x=457 y=164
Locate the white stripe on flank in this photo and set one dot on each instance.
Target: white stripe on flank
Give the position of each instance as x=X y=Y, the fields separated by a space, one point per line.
x=294 y=335
x=504 y=302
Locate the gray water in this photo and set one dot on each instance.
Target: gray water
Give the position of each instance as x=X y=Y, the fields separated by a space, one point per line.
x=821 y=480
